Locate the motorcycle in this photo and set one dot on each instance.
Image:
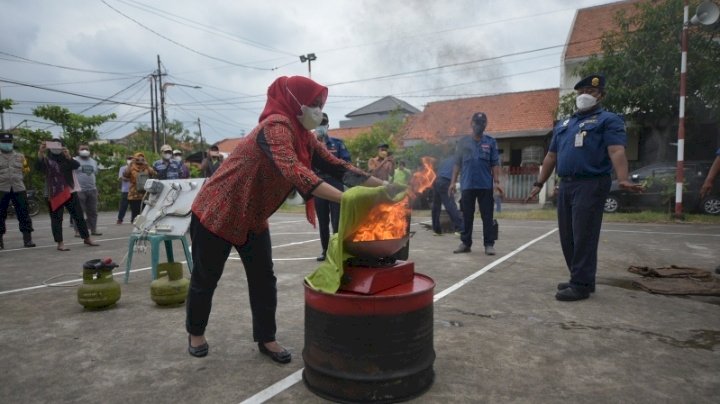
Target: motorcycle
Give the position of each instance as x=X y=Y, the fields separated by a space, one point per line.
x=33 y=204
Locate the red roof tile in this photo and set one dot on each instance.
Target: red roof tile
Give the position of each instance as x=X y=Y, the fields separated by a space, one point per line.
x=508 y=114
x=227 y=145
x=348 y=133
x=585 y=36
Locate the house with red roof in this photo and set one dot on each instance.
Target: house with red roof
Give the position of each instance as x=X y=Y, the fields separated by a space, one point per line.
x=521 y=123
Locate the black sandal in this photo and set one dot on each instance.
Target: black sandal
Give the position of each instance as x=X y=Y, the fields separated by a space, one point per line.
x=280 y=357
x=198 y=351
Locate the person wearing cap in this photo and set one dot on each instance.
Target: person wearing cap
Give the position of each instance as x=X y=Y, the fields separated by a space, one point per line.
x=137 y=174
x=88 y=194
x=212 y=162
x=477 y=162
x=584 y=149
x=328 y=212
x=166 y=168
x=382 y=166
x=12 y=189
x=124 y=189
x=61 y=189
x=184 y=171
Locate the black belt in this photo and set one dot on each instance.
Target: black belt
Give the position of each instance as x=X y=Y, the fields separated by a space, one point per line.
x=570 y=178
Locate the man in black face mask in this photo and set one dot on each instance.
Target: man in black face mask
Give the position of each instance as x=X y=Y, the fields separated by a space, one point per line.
x=477 y=160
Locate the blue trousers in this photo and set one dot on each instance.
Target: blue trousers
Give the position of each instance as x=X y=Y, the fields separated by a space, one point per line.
x=440 y=199
x=484 y=198
x=580 y=210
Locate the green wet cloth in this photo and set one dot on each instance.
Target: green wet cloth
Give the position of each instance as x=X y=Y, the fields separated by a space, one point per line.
x=355 y=205
x=401 y=176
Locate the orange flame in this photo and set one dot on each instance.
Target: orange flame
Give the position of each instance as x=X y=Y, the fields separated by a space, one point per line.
x=424 y=178
x=387 y=221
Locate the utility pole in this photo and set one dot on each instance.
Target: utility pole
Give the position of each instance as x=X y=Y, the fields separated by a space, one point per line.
x=308 y=58
x=162 y=101
x=2 y=114
x=202 y=144
x=152 y=113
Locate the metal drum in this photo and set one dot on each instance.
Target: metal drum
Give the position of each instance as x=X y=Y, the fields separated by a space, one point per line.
x=370 y=348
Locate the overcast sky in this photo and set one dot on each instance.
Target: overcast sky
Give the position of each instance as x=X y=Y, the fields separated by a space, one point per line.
x=417 y=50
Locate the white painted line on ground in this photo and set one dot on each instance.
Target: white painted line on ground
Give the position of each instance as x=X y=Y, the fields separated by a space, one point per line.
x=280 y=259
x=490 y=266
x=7 y=292
x=275 y=389
x=66 y=244
x=289 y=381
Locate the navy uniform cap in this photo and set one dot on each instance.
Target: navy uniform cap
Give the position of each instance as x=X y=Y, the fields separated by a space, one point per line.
x=593 y=80
x=6 y=137
x=325 y=119
x=479 y=117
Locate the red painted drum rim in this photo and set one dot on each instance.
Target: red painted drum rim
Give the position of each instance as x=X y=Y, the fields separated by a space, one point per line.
x=401 y=299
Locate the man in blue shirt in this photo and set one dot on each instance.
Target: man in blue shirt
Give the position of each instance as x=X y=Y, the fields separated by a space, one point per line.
x=166 y=167
x=477 y=162
x=329 y=212
x=441 y=197
x=585 y=148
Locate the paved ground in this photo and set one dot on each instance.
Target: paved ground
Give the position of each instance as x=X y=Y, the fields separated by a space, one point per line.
x=500 y=337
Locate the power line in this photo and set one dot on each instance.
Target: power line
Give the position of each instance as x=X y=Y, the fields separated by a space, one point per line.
x=112 y=96
x=202 y=27
x=181 y=45
x=64 y=67
x=3 y=80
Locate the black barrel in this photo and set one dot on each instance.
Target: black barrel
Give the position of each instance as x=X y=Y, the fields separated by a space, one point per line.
x=376 y=348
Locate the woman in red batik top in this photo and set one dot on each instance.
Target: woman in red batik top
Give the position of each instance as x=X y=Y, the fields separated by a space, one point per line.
x=233 y=207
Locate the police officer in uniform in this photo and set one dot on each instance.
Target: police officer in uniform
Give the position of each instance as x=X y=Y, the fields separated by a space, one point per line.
x=328 y=212
x=585 y=148
x=12 y=188
x=478 y=163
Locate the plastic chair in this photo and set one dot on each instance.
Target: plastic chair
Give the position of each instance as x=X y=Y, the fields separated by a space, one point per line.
x=155 y=240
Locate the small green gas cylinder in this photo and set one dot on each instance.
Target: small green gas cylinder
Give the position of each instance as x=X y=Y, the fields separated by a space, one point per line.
x=170 y=287
x=98 y=289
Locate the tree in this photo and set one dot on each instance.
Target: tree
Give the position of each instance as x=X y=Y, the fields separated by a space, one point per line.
x=642 y=63
x=364 y=146
x=78 y=129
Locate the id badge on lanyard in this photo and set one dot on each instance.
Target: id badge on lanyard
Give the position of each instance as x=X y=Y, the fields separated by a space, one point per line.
x=579 y=137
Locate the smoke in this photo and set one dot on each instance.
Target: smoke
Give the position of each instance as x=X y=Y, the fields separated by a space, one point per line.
x=402 y=44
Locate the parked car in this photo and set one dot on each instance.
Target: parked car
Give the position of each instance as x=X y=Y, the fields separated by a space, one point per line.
x=659 y=193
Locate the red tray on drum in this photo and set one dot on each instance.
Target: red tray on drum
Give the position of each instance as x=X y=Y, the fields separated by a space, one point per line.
x=369 y=281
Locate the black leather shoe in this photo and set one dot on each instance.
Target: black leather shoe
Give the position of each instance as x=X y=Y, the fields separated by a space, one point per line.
x=565 y=285
x=462 y=249
x=280 y=357
x=321 y=257
x=571 y=294
x=198 y=351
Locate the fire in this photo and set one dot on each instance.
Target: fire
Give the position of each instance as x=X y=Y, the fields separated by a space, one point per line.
x=424 y=178
x=389 y=221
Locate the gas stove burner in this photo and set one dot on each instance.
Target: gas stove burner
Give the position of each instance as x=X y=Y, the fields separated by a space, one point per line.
x=383 y=262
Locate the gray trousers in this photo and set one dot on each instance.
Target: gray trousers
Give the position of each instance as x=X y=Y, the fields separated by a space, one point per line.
x=89 y=202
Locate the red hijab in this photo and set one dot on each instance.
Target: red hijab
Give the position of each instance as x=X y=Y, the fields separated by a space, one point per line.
x=280 y=101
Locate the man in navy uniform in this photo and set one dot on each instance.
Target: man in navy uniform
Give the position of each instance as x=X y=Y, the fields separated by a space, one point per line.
x=477 y=160
x=329 y=212
x=585 y=148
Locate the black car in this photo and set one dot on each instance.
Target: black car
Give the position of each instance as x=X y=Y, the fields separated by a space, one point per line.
x=659 y=193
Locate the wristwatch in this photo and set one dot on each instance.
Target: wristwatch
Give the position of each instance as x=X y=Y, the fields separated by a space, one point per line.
x=538 y=184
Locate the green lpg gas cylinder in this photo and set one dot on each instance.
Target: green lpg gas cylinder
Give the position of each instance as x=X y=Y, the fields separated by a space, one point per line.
x=98 y=289
x=170 y=287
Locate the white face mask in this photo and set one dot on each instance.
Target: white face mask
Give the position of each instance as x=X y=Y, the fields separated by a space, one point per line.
x=178 y=159
x=56 y=151
x=167 y=156
x=310 y=117
x=129 y=162
x=585 y=101
x=84 y=153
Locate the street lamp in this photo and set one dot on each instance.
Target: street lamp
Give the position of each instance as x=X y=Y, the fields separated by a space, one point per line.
x=308 y=58
x=163 y=88
x=706 y=14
